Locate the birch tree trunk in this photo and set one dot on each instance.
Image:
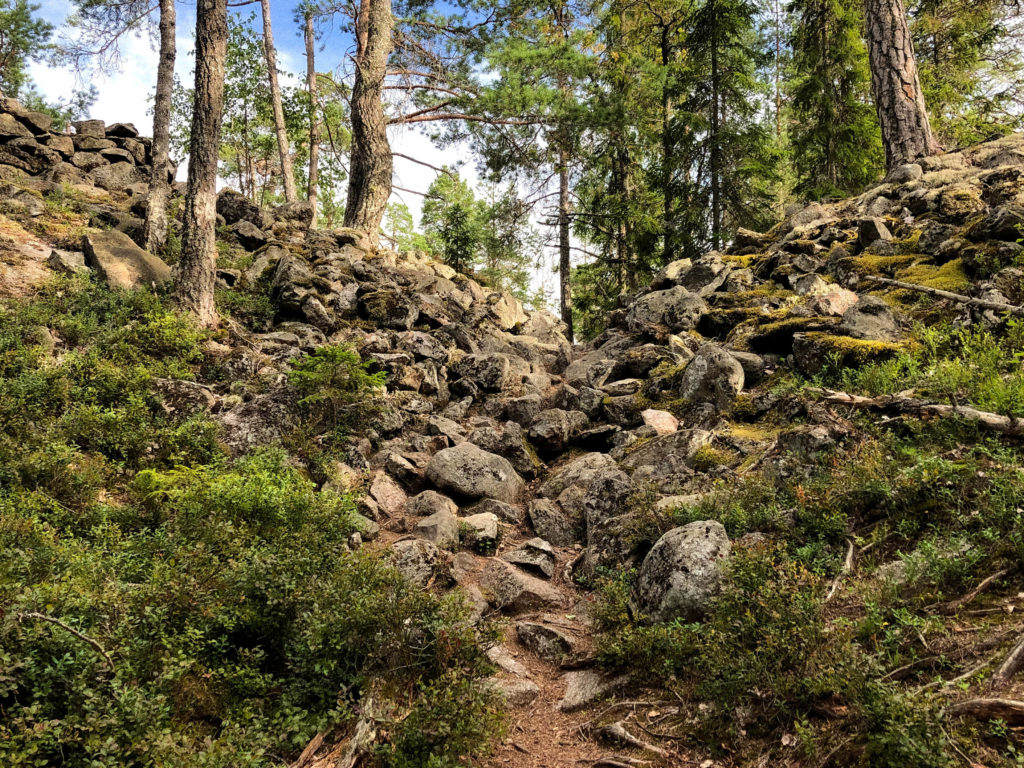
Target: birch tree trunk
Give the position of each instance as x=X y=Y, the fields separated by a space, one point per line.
x=193 y=289
x=895 y=84
x=314 y=115
x=369 y=183
x=155 y=231
x=275 y=99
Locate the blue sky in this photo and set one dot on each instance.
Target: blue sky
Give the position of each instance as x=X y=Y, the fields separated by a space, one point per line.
x=124 y=94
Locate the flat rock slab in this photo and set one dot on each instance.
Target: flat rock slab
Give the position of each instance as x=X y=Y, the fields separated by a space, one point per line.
x=119 y=261
x=584 y=687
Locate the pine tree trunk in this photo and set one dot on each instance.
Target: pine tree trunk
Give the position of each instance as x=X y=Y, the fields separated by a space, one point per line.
x=667 y=150
x=895 y=84
x=369 y=184
x=155 y=231
x=196 y=271
x=314 y=116
x=564 y=262
x=716 y=151
x=288 y=177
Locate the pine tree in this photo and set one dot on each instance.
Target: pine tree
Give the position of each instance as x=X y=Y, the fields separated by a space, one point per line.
x=24 y=38
x=832 y=128
x=194 y=284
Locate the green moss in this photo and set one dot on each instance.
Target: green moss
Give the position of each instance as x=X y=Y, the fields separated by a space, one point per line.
x=853 y=352
x=874 y=264
x=948 y=277
x=708 y=457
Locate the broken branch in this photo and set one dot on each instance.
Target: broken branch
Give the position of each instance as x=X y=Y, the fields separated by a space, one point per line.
x=995 y=306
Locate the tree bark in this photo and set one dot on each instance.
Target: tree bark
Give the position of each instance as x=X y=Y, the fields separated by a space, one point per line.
x=716 y=150
x=564 y=245
x=370 y=167
x=288 y=177
x=314 y=116
x=155 y=231
x=196 y=271
x=895 y=84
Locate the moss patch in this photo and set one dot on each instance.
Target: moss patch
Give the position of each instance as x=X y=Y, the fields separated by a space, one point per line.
x=948 y=277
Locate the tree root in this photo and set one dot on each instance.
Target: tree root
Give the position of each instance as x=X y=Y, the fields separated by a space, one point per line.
x=617 y=732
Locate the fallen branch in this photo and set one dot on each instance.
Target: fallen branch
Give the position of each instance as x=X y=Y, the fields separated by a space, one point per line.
x=1011 y=665
x=1006 y=425
x=309 y=751
x=995 y=306
x=989 y=709
x=71 y=630
x=947 y=609
x=846 y=569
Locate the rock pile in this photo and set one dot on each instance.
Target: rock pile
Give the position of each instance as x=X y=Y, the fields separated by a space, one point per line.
x=507 y=460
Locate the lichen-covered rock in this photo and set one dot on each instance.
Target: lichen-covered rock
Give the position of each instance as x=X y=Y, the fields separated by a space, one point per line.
x=675 y=309
x=553 y=429
x=441 y=528
x=682 y=572
x=551 y=523
x=534 y=555
x=712 y=376
x=870 y=319
x=417 y=559
x=472 y=473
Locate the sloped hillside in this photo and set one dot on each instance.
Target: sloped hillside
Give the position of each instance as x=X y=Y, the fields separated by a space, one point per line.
x=386 y=516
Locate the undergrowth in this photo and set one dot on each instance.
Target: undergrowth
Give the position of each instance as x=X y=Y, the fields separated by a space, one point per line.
x=165 y=604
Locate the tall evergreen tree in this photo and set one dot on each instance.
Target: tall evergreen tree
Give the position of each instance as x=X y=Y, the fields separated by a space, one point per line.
x=833 y=130
x=24 y=38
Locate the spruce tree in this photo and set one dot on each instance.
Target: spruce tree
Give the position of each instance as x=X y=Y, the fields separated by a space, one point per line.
x=833 y=130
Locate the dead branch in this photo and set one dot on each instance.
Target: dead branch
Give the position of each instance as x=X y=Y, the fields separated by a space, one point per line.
x=995 y=306
x=947 y=609
x=989 y=709
x=844 y=571
x=71 y=630
x=309 y=751
x=1006 y=425
x=1011 y=665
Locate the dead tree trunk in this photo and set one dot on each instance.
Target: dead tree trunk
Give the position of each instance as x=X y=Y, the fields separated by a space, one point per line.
x=288 y=177
x=895 y=84
x=314 y=115
x=155 y=231
x=369 y=185
x=196 y=271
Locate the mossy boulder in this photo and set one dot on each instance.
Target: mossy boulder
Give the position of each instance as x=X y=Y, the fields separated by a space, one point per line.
x=815 y=351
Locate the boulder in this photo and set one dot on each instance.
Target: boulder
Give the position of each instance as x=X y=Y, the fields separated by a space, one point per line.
x=299 y=213
x=116 y=178
x=95 y=128
x=871 y=230
x=472 y=473
x=516 y=693
x=682 y=573
x=870 y=319
x=549 y=643
x=534 y=555
x=11 y=128
x=551 y=524
x=264 y=420
x=441 y=528
x=67 y=262
x=119 y=261
x=481 y=530
x=249 y=235
x=509 y=589
x=553 y=429
x=665 y=460
x=584 y=687
x=676 y=309
x=430 y=503
x=662 y=422
x=712 y=376
x=490 y=372
x=416 y=559
x=235 y=207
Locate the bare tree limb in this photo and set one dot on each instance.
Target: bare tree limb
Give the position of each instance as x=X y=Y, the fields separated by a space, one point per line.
x=71 y=630
x=995 y=306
